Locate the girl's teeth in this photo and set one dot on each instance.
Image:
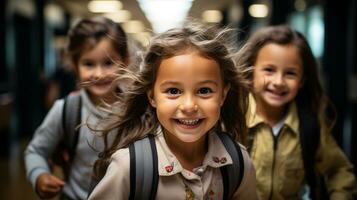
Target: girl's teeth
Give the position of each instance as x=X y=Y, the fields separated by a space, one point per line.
x=188 y=122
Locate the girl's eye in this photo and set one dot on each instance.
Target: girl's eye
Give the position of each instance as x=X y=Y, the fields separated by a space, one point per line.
x=88 y=64
x=291 y=73
x=268 y=69
x=205 y=90
x=173 y=91
x=108 y=63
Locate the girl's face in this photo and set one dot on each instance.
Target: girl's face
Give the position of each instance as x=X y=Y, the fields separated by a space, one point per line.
x=97 y=66
x=188 y=94
x=277 y=75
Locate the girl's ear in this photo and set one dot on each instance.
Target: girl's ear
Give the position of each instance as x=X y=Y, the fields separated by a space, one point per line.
x=225 y=92
x=150 y=95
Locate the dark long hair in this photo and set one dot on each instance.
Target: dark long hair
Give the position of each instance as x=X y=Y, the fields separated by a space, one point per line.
x=311 y=97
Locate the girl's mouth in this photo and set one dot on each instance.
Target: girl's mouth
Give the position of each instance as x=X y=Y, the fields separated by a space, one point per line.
x=102 y=83
x=277 y=93
x=189 y=122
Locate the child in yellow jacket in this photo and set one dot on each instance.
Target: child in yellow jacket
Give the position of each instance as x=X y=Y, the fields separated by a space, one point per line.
x=284 y=83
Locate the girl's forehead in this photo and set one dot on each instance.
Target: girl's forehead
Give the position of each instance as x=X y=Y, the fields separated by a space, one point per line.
x=276 y=45
x=279 y=50
x=274 y=54
x=102 y=45
x=190 y=65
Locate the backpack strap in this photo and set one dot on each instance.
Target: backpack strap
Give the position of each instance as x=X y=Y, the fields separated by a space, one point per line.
x=232 y=175
x=309 y=139
x=144 y=174
x=71 y=118
x=251 y=135
x=144 y=170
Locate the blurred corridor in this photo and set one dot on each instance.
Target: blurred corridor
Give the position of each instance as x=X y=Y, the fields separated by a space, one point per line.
x=33 y=33
x=13 y=182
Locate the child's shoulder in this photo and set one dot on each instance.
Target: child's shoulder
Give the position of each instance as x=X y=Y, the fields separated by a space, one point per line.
x=245 y=153
x=120 y=160
x=121 y=154
x=242 y=147
x=55 y=113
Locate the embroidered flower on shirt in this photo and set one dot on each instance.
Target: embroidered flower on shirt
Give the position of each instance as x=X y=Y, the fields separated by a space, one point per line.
x=215 y=159
x=223 y=160
x=169 y=168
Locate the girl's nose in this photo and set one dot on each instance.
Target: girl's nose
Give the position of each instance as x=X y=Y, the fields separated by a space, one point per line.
x=98 y=72
x=188 y=105
x=278 y=80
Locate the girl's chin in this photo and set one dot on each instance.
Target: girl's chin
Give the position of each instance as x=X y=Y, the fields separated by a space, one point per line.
x=99 y=94
x=277 y=105
x=188 y=138
x=100 y=90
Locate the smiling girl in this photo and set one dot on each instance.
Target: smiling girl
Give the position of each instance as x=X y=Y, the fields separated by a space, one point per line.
x=97 y=48
x=187 y=93
x=286 y=95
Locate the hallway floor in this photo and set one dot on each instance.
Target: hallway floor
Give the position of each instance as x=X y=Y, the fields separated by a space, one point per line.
x=13 y=183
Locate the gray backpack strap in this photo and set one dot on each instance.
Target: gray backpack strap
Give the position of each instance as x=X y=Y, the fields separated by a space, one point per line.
x=71 y=119
x=143 y=169
x=232 y=175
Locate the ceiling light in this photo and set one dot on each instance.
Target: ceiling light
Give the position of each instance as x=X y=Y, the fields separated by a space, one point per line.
x=165 y=14
x=98 y=6
x=212 y=16
x=258 y=10
x=54 y=15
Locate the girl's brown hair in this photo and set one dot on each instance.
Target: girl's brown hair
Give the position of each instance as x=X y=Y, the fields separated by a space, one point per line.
x=88 y=32
x=133 y=118
x=311 y=97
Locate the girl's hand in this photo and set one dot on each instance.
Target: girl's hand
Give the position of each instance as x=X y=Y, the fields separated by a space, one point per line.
x=48 y=186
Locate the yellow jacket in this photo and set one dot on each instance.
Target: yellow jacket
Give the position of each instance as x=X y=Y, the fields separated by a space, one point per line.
x=279 y=165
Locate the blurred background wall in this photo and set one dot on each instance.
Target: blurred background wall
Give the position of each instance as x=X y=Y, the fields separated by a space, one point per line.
x=33 y=33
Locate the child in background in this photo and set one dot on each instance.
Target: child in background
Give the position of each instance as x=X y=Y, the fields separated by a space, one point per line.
x=97 y=48
x=285 y=83
x=187 y=92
